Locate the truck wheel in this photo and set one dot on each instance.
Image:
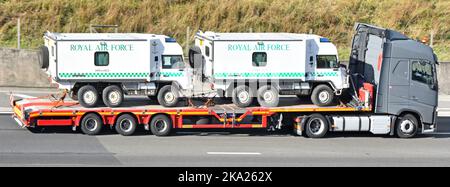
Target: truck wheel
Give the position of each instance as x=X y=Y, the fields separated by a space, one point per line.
x=161 y=125
x=126 y=125
x=316 y=126
x=91 y=124
x=268 y=96
x=168 y=96
x=112 y=96
x=406 y=126
x=242 y=96
x=88 y=96
x=322 y=95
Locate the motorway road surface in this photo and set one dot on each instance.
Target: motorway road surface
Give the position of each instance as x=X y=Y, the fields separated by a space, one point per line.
x=62 y=147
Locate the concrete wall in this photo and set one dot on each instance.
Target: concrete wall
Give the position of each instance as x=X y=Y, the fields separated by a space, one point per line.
x=21 y=68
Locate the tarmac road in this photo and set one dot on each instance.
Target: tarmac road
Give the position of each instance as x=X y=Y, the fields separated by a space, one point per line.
x=62 y=147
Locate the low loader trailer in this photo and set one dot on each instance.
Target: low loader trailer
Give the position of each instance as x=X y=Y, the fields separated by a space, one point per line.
x=393 y=91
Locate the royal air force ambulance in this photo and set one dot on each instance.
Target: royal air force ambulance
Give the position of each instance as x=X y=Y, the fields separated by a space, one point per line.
x=245 y=66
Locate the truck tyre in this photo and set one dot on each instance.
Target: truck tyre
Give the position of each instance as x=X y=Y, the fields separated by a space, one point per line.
x=91 y=124
x=161 y=125
x=88 y=96
x=322 y=95
x=43 y=57
x=112 y=96
x=242 y=96
x=126 y=125
x=406 y=126
x=268 y=96
x=168 y=96
x=316 y=126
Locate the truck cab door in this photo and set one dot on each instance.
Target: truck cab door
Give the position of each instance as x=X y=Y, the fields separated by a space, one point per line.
x=399 y=84
x=423 y=88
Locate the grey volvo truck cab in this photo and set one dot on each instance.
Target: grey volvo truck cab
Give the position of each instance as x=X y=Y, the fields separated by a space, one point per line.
x=403 y=72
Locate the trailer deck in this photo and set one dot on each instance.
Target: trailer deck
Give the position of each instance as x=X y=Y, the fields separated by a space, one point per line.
x=37 y=112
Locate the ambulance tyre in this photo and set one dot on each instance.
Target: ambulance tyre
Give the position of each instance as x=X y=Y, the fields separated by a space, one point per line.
x=242 y=96
x=88 y=96
x=168 y=96
x=112 y=96
x=43 y=57
x=322 y=95
x=268 y=96
x=73 y=95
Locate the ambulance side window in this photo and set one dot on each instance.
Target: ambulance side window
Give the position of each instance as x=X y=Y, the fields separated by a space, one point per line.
x=101 y=58
x=172 y=62
x=327 y=61
x=259 y=59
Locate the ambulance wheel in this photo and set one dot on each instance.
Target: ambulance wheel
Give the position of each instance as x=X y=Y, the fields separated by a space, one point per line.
x=91 y=124
x=43 y=57
x=161 y=125
x=168 y=96
x=112 y=96
x=406 y=126
x=126 y=125
x=242 y=96
x=316 y=126
x=88 y=96
x=268 y=96
x=322 y=95
x=73 y=96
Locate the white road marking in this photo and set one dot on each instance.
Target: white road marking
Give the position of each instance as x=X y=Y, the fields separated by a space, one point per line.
x=233 y=153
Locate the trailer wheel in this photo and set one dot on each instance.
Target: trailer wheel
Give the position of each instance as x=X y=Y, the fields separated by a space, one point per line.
x=126 y=125
x=112 y=96
x=88 y=96
x=268 y=96
x=322 y=95
x=91 y=124
x=242 y=96
x=161 y=125
x=168 y=96
x=316 y=126
x=406 y=126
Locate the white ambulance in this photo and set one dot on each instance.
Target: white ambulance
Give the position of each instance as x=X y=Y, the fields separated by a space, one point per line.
x=105 y=66
x=242 y=66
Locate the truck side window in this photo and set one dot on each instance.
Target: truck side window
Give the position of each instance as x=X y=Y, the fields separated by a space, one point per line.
x=422 y=72
x=207 y=51
x=259 y=59
x=327 y=61
x=172 y=62
x=101 y=58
